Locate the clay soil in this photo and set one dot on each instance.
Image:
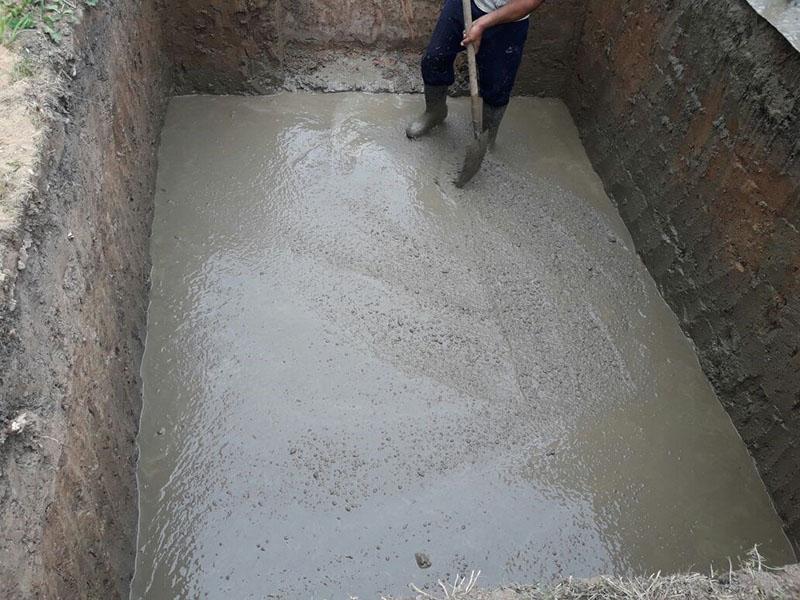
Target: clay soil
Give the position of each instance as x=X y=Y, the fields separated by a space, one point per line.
x=78 y=127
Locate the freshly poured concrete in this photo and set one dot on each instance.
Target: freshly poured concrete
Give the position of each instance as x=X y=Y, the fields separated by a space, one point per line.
x=349 y=361
x=784 y=16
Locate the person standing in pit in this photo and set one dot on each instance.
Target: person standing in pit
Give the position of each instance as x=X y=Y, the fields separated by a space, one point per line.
x=498 y=33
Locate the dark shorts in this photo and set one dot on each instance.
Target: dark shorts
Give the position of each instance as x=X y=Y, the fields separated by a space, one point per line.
x=498 y=56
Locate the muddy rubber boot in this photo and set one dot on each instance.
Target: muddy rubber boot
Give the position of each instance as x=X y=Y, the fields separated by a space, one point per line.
x=435 y=112
x=492 y=116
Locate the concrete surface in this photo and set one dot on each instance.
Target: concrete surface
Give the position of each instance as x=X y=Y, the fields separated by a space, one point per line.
x=349 y=362
x=784 y=15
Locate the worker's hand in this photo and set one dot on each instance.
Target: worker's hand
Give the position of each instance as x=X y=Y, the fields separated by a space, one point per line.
x=474 y=35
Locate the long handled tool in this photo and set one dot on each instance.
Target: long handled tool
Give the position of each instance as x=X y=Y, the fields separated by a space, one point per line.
x=475 y=99
x=477 y=149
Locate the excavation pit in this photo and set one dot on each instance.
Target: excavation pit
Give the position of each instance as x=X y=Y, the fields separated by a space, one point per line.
x=688 y=114
x=350 y=362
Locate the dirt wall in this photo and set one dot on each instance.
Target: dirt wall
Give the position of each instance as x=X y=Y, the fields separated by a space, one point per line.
x=689 y=112
x=220 y=46
x=75 y=268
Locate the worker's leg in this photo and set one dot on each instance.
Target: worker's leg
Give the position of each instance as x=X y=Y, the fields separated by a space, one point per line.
x=445 y=44
x=437 y=67
x=499 y=58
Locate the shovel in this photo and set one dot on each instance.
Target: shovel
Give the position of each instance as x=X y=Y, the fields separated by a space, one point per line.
x=477 y=149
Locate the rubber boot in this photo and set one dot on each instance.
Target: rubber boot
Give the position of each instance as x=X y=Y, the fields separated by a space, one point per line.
x=492 y=116
x=435 y=112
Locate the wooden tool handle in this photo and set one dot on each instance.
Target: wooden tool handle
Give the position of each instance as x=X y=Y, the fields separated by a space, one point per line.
x=475 y=98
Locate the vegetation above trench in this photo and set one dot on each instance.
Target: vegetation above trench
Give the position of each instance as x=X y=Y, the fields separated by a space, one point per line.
x=47 y=16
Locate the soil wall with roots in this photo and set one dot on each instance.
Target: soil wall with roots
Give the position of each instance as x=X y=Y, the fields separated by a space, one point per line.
x=256 y=46
x=689 y=111
x=72 y=316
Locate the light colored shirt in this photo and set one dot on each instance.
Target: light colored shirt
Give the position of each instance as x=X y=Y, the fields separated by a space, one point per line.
x=488 y=6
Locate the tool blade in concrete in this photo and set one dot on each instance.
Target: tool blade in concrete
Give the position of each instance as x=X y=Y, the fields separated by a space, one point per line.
x=473 y=160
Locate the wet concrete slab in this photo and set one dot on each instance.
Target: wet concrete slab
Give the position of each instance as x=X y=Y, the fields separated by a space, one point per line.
x=784 y=15
x=350 y=362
